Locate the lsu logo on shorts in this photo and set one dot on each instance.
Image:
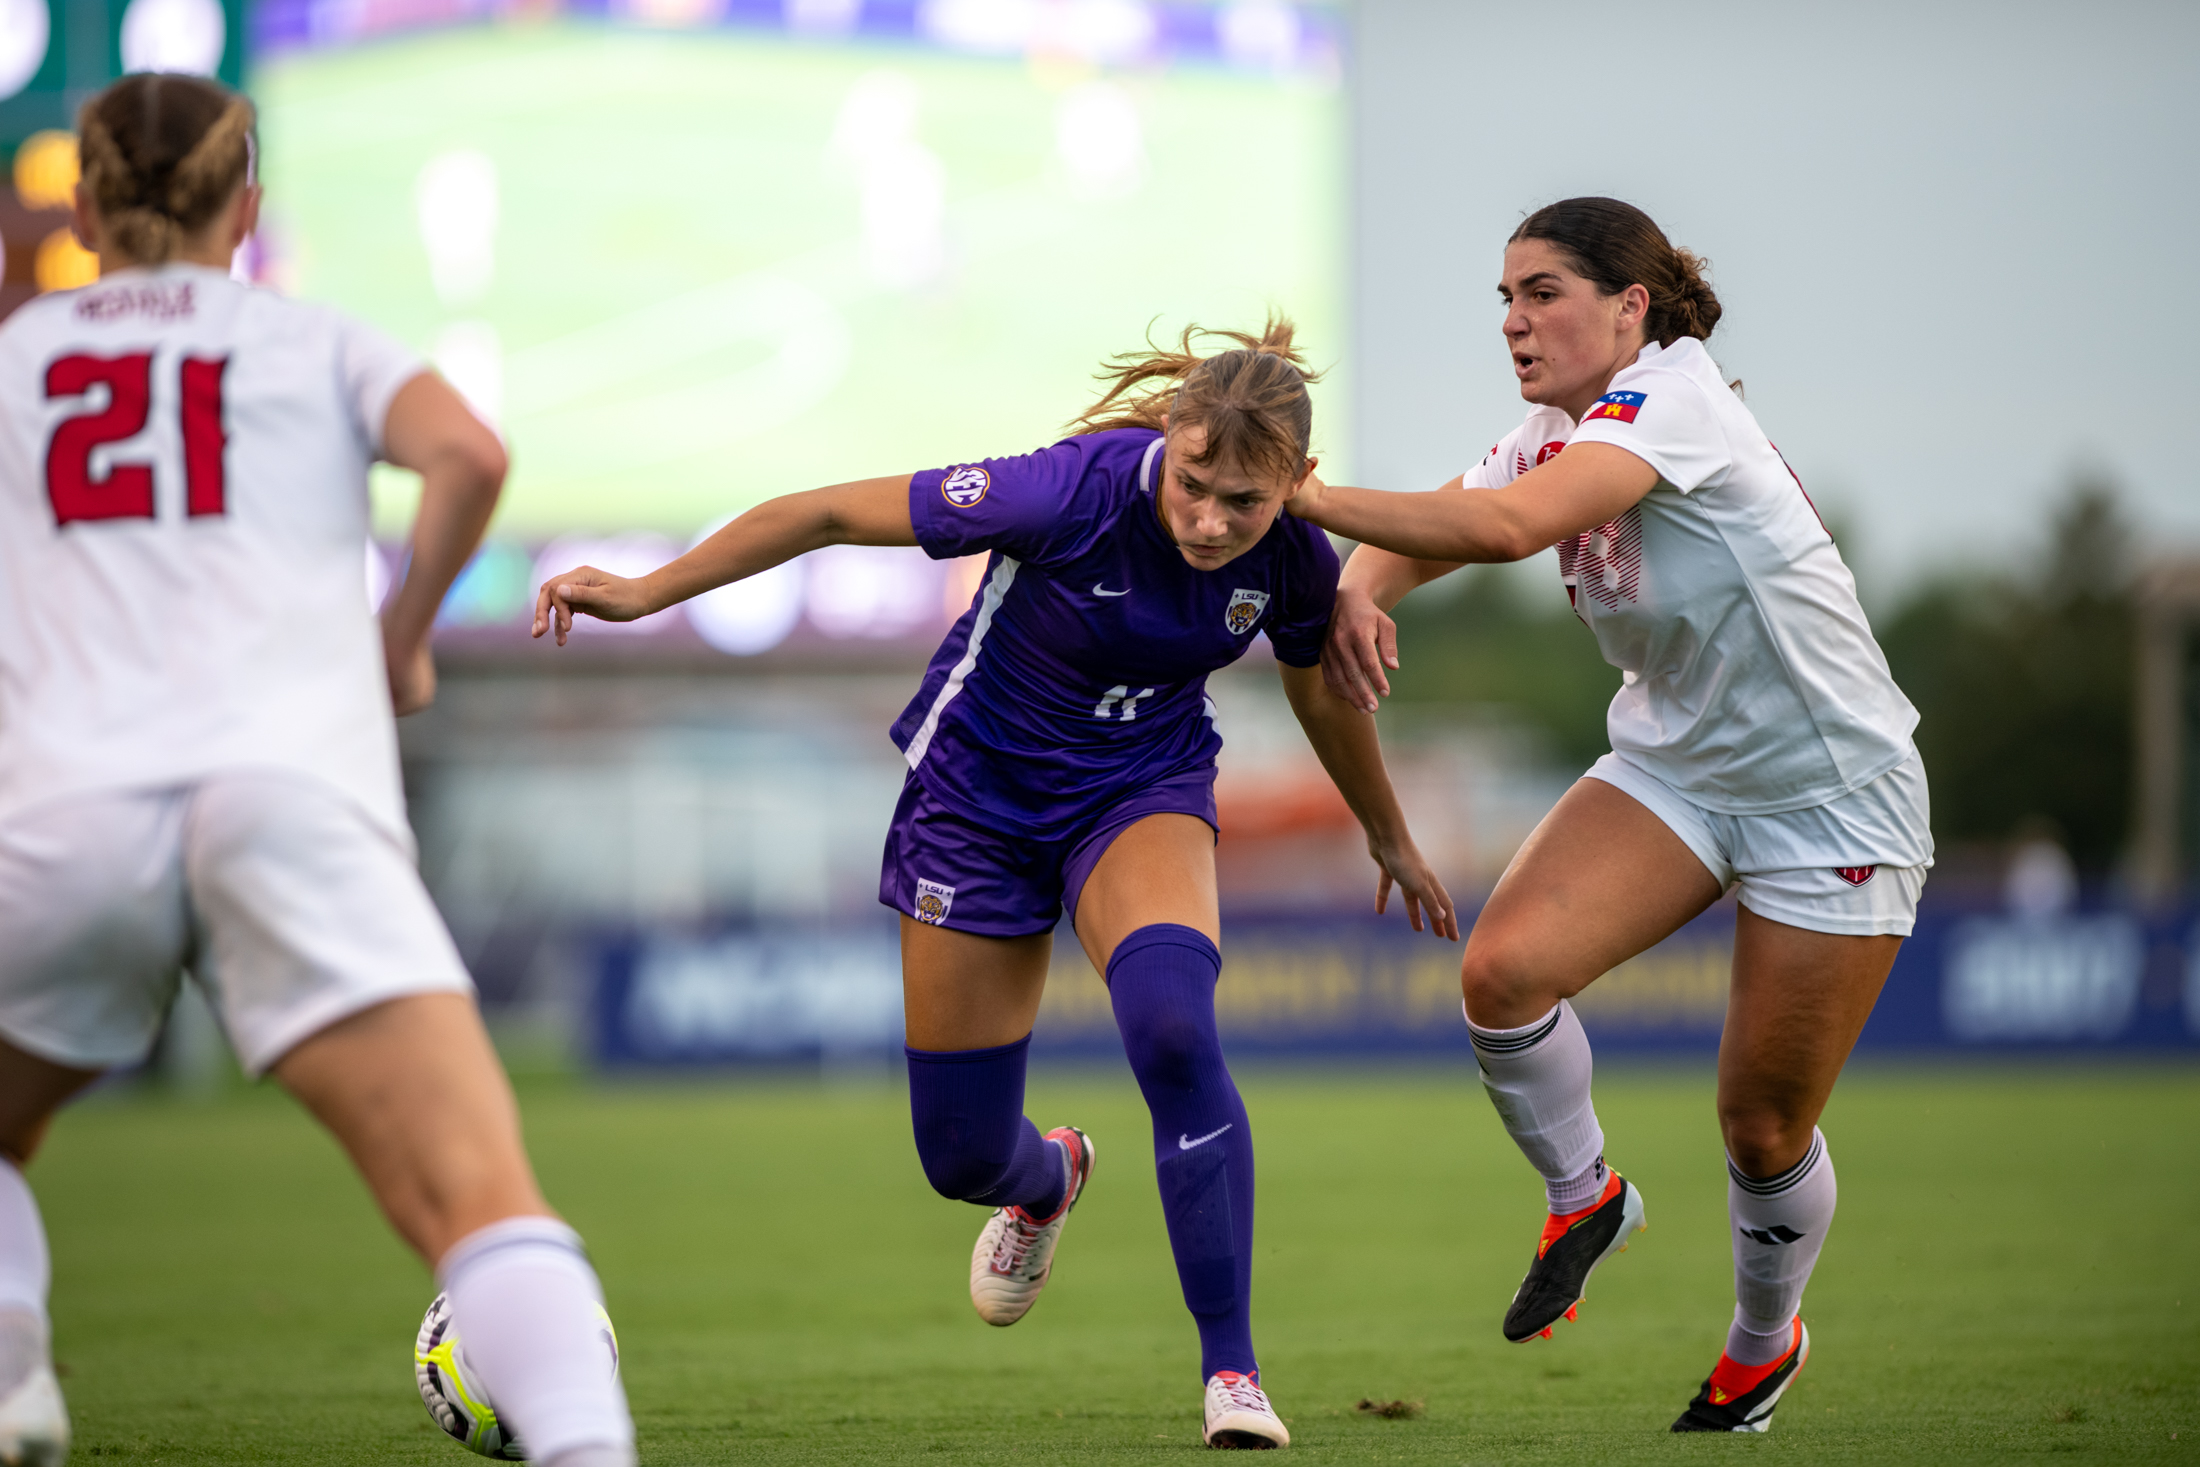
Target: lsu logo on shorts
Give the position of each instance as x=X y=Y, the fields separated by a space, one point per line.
x=1620 y=405
x=933 y=902
x=1244 y=609
x=965 y=486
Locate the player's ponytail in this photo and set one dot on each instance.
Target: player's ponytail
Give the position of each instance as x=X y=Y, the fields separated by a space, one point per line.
x=1616 y=245
x=161 y=156
x=1251 y=399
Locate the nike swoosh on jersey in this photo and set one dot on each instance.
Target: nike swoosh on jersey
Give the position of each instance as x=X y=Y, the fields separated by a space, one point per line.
x=1186 y=1143
x=1099 y=589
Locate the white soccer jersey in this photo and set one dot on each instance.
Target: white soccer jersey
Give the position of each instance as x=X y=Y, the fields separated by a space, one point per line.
x=183 y=521
x=1749 y=677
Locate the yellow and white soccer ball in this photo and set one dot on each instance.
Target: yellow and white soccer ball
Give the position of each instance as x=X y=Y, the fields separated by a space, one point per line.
x=452 y=1391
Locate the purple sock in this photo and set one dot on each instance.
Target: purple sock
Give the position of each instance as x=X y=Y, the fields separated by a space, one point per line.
x=968 y=1109
x=1162 y=983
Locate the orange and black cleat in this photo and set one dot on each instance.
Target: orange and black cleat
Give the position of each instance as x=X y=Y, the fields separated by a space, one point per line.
x=1572 y=1246
x=1741 y=1397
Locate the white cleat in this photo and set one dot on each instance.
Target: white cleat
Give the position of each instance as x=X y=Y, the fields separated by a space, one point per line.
x=1238 y=1414
x=1015 y=1251
x=34 y=1424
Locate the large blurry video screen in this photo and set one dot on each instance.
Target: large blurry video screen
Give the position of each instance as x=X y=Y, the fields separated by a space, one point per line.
x=686 y=267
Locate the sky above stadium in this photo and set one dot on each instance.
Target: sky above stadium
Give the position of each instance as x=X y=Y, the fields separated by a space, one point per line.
x=1954 y=244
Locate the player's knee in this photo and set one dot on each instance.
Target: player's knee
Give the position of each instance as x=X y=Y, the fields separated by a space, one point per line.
x=960 y=1170
x=1169 y=1050
x=1502 y=985
x=1763 y=1140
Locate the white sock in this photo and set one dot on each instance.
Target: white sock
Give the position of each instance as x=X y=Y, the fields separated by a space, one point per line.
x=1779 y=1225
x=595 y=1457
x=26 y=1271
x=524 y=1301
x=1538 y=1078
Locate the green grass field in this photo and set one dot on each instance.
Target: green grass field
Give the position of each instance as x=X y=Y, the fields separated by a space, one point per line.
x=2010 y=1278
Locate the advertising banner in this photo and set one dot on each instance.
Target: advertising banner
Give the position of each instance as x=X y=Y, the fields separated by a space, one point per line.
x=1970 y=979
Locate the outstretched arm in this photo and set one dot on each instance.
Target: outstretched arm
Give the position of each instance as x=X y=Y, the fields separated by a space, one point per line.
x=461 y=466
x=1581 y=488
x=864 y=512
x=1362 y=647
x=1344 y=738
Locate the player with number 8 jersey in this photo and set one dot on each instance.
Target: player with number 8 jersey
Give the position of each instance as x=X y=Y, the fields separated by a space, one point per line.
x=198 y=765
x=1061 y=754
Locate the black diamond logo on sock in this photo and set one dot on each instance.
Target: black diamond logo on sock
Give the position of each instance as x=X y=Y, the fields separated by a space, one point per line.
x=1773 y=1235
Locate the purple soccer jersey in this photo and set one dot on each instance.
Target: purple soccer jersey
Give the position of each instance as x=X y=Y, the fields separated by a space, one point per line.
x=1080 y=671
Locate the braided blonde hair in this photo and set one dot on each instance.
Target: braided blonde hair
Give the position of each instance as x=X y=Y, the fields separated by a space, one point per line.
x=162 y=155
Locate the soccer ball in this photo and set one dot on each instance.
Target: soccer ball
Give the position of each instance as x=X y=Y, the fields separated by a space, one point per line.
x=453 y=1394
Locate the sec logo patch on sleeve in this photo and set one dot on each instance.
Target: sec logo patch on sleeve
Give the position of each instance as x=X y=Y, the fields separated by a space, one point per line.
x=965 y=486
x=1620 y=405
x=1244 y=609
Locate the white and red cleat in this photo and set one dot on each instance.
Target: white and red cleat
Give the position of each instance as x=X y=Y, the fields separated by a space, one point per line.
x=1238 y=1414
x=1015 y=1251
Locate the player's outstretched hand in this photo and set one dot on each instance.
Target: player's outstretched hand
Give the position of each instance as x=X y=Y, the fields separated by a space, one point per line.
x=1361 y=651
x=1306 y=497
x=412 y=679
x=599 y=593
x=1403 y=867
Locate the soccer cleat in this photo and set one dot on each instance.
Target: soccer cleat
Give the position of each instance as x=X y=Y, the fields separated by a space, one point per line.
x=1238 y=1414
x=1741 y=1397
x=34 y=1425
x=1572 y=1246
x=1015 y=1251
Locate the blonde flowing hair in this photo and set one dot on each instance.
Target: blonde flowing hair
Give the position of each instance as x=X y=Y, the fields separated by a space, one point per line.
x=1251 y=398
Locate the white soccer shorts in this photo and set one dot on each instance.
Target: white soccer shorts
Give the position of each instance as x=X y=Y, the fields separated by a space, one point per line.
x=1853 y=868
x=290 y=908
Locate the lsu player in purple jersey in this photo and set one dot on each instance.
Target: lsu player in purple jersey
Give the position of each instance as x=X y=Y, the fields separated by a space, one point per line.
x=1061 y=754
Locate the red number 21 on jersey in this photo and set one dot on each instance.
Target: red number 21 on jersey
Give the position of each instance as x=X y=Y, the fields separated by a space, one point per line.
x=126 y=491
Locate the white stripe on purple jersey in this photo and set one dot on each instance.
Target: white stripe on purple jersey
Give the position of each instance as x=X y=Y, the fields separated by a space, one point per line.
x=1079 y=672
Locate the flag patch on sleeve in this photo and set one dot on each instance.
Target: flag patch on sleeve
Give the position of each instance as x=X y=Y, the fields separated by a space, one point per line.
x=1620 y=405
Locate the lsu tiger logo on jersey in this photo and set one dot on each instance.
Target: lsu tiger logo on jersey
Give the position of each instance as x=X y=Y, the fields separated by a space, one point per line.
x=965 y=486
x=1620 y=405
x=1244 y=609
x=933 y=902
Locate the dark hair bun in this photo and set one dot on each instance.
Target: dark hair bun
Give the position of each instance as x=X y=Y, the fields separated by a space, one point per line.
x=1615 y=245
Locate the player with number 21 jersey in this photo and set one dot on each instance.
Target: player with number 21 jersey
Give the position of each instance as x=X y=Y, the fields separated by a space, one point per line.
x=198 y=765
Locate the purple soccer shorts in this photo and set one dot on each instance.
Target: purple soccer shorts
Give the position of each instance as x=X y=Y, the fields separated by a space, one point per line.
x=944 y=869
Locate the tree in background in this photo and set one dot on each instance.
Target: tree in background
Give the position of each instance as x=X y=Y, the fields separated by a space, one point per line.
x=2023 y=678
x=2023 y=681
